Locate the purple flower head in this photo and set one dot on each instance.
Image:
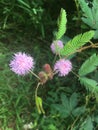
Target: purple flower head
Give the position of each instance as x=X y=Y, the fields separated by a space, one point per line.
x=63 y=67
x=56 y=46
x=21 y=63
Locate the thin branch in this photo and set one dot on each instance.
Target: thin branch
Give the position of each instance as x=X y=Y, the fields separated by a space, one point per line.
x=37 y=89
x=35 y=75
x=74 y=122
x=75 y=74
x=84 y=48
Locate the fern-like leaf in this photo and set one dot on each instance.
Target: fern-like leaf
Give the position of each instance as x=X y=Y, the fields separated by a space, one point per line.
x=62 y=20
x=90 y=14
x=77 y=42
x=89 y=65
x=90 y=84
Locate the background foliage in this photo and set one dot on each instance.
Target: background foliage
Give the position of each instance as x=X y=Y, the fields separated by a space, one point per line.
x=31 y=26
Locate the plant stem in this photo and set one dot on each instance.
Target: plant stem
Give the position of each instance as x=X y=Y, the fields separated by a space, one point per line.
x=77 y=8
x=37 y=89
x=72 y=126
x=84 y=48
x=75 y=74
x=35 y=75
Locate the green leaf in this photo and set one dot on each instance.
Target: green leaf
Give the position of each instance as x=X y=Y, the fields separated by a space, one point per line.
x=64 y=100
x=78 y=111
x=64 y=112
x=68 y=104
x=73 y=101
x=9 y=129
x=90 y=15
x=39 y=105
x=87 y=124
x=96 y=119
x=87 y=11
x=23 y=3
x=65 y=103
x=51 y=127
x=77 y=42
x=96 y=34
x=90 y=84
x=89 y=65
x=62 y=20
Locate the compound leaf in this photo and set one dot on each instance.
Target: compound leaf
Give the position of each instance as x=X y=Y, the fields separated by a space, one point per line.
x=89 y=65
x=90 y=84
x=62 y=20
x=77 y=42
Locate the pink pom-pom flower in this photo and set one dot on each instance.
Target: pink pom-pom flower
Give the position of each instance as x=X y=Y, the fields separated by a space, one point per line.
x=63 y=67
x=21 y=63
x=56 y=46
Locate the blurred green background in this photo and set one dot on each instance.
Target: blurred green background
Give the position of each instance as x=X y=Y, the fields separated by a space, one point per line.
x=29 y=26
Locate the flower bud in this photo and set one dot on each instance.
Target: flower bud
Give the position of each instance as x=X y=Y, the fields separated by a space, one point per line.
x=43 y=77
x=47 y=68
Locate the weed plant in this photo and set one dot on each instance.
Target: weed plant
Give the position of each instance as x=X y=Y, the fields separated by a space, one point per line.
x=57 y=100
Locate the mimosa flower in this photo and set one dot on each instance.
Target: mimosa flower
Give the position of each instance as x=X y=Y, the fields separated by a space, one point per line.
x=63 y=67
x=56 y=46
x=21 y=63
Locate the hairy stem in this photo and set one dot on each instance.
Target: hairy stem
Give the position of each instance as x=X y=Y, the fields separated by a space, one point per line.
x=35 y=75
x=37 y=89
x=84 y=48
